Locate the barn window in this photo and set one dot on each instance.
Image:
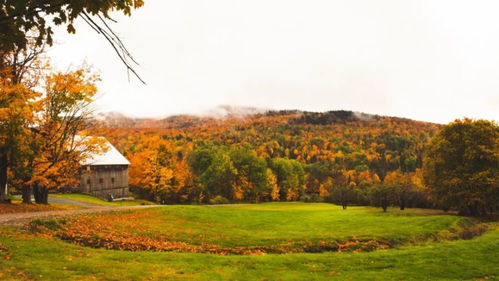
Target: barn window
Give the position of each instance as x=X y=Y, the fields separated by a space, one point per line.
x=101 y=180
x=88 y=182
x=112 y=180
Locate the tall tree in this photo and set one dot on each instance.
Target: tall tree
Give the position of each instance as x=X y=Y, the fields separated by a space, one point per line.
x=290 y=178
x=20 y=72
x=252 y=175
x=344 y=191
x=152 y=170
x=214 y=171
x=381 y=196
x=401 y=187
x=64 y=115
x=461 y=166
x=16 y=110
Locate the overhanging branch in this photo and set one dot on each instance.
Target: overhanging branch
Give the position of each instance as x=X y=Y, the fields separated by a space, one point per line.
x=115 y=42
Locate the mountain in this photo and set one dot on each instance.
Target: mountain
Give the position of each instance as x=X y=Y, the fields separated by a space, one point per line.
x=304 y=153
x=230 y=115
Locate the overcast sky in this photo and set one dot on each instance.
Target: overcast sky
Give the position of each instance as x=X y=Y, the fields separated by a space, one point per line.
x=426 y=60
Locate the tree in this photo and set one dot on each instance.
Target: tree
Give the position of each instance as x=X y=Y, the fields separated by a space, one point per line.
x=64 y=115
x=272 y=180
x=343 y=195
x=344 y=189
x=215 y=172
x=318 y=174
x=290 y=178
x=251 y=178
x=381 y=196
x=420 y=196
x=16 y=111
x=152 y=170
x=220 y=177
x=21 y=20
x=401 y=186
x=20 y=73
x=461 y=166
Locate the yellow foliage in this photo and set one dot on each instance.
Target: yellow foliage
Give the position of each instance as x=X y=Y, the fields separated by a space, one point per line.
x=272 y=179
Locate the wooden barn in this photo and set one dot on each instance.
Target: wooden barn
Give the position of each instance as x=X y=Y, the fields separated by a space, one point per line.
x=105 y=174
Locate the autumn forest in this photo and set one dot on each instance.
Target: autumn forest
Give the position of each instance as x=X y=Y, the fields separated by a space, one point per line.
x=341 y=156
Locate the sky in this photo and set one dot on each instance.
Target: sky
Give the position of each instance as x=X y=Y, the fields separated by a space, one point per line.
x=429 y=60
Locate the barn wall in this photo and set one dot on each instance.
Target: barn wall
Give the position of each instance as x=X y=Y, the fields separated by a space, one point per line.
x=103 y=180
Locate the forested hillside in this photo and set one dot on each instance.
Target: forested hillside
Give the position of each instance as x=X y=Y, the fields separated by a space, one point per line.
x=277 y=155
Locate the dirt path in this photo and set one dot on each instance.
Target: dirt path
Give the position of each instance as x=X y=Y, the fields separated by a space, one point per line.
x=21 y=218
x=65 y=201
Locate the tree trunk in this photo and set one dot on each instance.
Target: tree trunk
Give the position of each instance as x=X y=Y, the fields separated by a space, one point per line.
x=45 y=196
x=38 y=194
x=3 y=174
x=41 y=195
x=26 y=194
x=384 y=204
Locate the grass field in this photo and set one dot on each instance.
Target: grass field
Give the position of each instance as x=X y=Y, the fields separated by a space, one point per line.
x=97 y=201
x=415 y=257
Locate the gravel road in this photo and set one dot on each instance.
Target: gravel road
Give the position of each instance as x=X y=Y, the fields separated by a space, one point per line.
x=21 y=218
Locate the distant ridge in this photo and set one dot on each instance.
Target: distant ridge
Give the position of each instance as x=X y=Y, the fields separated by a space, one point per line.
x=232 y=113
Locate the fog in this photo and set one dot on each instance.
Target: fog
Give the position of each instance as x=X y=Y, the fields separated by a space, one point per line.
x=425 y=60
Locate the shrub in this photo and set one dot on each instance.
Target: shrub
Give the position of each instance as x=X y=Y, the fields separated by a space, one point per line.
x=219 y=200
x=37 y=225
x=311 y=198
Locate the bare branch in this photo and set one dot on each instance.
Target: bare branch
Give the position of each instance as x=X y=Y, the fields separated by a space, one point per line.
x=115 y=43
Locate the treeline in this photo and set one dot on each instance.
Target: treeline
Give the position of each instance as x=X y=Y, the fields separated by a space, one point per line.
x=218 y=174
x=351 y=159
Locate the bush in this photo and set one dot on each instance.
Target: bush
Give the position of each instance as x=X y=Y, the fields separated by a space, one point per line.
x=219 y=200
x=470 y=232
x=311 y=198
x=37 y=225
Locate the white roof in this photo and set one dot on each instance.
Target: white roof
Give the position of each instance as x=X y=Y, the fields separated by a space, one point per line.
x=111 y=157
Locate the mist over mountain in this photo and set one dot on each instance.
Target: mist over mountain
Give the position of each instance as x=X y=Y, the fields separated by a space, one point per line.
x=223 y=114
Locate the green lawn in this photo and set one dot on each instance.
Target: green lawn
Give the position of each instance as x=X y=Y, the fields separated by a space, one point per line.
x=44 y=258
x=97 y=201
x=271 y=223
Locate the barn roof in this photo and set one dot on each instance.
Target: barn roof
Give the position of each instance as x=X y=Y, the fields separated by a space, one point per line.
x=111 y=157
